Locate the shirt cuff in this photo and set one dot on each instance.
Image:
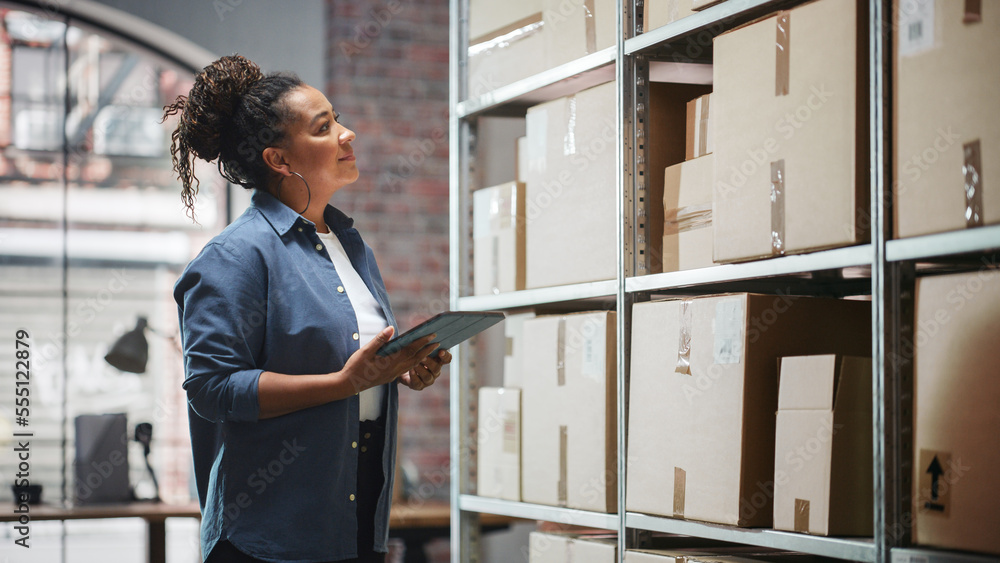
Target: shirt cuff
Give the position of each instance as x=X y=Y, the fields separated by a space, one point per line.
x=244 y=405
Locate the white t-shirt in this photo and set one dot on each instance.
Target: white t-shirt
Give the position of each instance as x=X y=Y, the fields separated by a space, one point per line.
x=366 y=308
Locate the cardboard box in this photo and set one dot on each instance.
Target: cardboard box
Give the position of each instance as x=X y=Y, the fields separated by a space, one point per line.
x=568 y=445
x=800 y=132
x=687 y=208
x=570 y=548
x=506 y=43
x=701 y=443
x=946 y=84
x=957 y=423
x=658 y=13
x=571 y=189
x=498 y=239
x=667 y=120
x=823 y=446
x=576 y=28
x=699 y=140
x=498 y=461
x=513 y=360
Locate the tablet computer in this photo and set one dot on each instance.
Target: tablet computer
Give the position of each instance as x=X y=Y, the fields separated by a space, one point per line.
x=451 y=328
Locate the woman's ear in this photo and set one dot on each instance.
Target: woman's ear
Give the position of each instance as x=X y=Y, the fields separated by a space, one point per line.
x=275 y=160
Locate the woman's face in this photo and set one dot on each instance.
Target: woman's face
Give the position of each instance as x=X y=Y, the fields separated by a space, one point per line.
x=316 y=145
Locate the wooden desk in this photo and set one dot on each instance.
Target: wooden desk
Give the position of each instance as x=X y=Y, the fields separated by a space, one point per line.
x=413 y=523
x=154 y=513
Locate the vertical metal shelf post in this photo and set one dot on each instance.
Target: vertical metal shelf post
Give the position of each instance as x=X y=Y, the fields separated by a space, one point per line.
x=464 y=526
x=892 y=311
x=625 y=252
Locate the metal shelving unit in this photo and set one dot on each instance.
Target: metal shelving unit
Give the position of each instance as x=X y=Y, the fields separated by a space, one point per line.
x=885 y=268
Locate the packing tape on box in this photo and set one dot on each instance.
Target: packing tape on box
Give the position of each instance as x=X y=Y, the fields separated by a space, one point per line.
x=569 y=141
x=684 y=345
x=801 y=515
x=510 y=346
x=781 y=55
x=680 y=488
x=973 y=11
x=588 y=16
x=972 y=168
x=703 y=104
x=778 y=207
x=503 y=37
x=688 y=218
x=511 y=432
x=495 y=265
x=561 y=353
x=563 y=447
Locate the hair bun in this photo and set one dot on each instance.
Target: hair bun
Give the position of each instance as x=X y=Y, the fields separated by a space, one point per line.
x=213 y=101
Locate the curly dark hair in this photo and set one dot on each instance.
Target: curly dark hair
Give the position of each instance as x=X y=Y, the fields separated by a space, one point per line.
x=232 y=113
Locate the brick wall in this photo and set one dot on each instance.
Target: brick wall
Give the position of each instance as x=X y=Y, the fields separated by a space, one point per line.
x=387 y=75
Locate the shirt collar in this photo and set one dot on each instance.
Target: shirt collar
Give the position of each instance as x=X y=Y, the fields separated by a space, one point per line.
x=283 y=218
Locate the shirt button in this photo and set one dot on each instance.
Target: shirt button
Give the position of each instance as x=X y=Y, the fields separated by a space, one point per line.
x=368 y=434
x=300 y=229
x=354 y=444
x=355 y=336
x=340 y=289
x=364 y=449
x=352 y=497
x=319 y=247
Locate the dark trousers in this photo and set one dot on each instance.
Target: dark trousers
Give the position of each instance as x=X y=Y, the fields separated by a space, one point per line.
x=371 y=440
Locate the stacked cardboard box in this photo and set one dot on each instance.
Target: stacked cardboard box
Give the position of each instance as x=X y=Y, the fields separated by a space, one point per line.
x=823 y=446
x=571 y=193
x=569 y=452
x=513 y=40
x=498 y=239
x=687 y=195
x=571 y=548
x=956 y=447
x=791 y=144
x=946 y=128
x=659 y=13
x=704 y=391
x=498 y=465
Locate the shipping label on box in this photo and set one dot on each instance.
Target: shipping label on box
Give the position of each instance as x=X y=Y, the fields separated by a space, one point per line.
x=703 y=393
x=687 y=213
x=513 y=360
x=956 y=420
x=791 y=142
x=823 y=446
x=569 y=452
x=498 y=239
x=498 y=462
x=946 y=130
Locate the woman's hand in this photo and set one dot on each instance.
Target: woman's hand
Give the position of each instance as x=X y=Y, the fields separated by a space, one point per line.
x=426 y=373
x=366 y=369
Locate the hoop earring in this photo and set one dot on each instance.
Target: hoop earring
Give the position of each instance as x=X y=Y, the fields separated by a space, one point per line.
x=308 y=191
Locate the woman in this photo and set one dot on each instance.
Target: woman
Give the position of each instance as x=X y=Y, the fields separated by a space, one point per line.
x=292 y=414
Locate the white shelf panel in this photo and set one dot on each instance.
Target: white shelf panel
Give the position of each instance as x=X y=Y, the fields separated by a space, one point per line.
x=596 y=68
x=837 y=258
x=540 y=296
x=853 y=549
x=979 y=239
x=472 y=503
x=720 y=13
x=924 y=555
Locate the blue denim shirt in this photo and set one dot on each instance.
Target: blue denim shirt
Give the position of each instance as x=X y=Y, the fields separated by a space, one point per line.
x=262 y=296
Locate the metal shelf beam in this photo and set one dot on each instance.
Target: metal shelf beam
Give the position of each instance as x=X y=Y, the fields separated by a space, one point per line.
x=539 y=296
x=563 y=80
x=924 y=555
x=717 y=18
x=980 y=239
x=472 y=503
x=836 y=259
x=853 y=549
